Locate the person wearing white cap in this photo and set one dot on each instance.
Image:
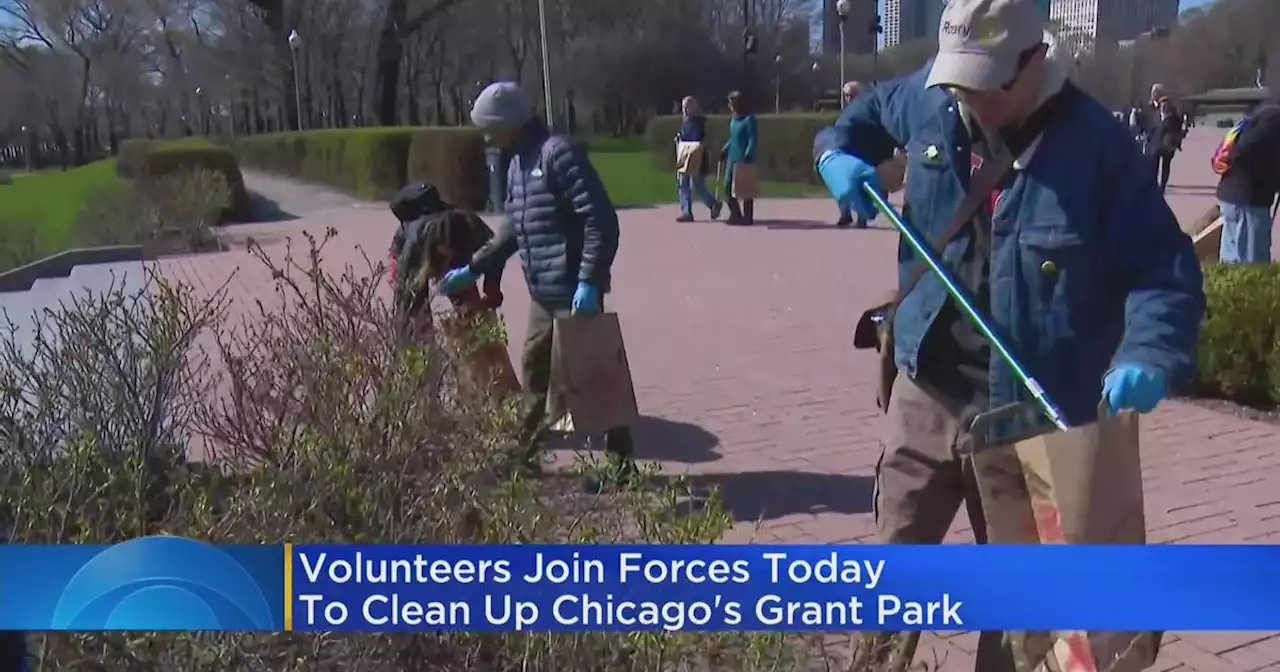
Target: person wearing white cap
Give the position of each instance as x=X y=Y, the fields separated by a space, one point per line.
x=1044 y=210
x=561 y=221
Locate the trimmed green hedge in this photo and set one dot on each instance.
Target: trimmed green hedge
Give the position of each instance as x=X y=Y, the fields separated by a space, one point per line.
x=140 y=159
x=374 y=163
x=786 y=143
x=1239 y=349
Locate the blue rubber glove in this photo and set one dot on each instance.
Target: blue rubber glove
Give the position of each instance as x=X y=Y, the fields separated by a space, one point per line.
x=457 y=280
x=586 y=300
x=844 y=174
x=1133 y=387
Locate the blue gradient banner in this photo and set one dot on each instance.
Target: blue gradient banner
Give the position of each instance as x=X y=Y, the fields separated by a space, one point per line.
x=169 y=583
x=787 y=588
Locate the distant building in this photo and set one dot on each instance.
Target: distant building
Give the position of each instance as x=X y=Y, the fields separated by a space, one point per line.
x=1088 y=23
x=1223 y=107
x=858 y=35
x=907 y=20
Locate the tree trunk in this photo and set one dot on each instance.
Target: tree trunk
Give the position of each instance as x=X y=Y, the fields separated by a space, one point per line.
x=390 y=53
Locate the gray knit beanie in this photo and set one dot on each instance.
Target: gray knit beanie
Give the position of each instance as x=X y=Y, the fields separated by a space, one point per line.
x=501 y=106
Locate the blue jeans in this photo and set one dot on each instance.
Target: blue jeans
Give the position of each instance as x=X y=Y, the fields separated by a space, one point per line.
x=689 y=184
x=1246 y=234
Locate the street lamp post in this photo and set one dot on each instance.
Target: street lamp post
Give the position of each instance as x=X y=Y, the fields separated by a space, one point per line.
x=842 y=12
x=817 y=81
x=26 y=148
x=546 y=60
x=295 y=43
x=777 y=84
x=200 y=118
x=876 y=30
x=231 y=106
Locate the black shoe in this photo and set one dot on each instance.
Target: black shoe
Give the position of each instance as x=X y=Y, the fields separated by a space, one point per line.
x=843 y=223
x=615 y=474
x=860 y=224
x=684 y=218
x=715 y=209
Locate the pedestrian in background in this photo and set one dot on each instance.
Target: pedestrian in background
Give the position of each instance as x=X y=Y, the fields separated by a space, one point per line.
x=851 y=91
x=1248 y=187
x=691 y=162
x=1166 y=139
x=741 y=176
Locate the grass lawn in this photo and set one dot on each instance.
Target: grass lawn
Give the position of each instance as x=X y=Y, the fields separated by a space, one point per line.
x=632 y=178
x=41 y=208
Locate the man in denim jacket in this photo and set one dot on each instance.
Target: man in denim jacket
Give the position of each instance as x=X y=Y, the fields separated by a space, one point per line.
x=1076 y=257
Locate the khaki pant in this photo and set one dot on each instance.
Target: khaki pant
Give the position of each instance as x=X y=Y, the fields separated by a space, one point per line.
x=922 y=479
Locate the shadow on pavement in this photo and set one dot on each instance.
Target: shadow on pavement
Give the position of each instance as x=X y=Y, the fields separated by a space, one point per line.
x=769 y=495
x=1199 y=189
x=807 y=225
x=672 y=441
x=263 y=210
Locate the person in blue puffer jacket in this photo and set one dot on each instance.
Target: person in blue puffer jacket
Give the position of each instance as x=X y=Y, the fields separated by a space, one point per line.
x=561 y=221
x=1075 y=257
x=692 y=163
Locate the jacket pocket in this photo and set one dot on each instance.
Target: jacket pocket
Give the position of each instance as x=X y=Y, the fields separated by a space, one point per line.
x=1058 y=275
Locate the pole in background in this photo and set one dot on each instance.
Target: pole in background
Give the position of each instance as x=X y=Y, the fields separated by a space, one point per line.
x=546 y=61
x=748 y=48
x=777 y=84
x=295 y=43
x=877 y=28
x=200 y=118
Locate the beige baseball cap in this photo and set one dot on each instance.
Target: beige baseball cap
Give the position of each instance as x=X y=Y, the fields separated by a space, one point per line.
x=979 y=42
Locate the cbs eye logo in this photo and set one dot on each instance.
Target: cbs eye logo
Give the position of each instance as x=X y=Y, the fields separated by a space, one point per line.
x=162 y=583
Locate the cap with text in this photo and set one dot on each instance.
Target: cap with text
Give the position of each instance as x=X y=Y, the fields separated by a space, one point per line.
x=979 y=42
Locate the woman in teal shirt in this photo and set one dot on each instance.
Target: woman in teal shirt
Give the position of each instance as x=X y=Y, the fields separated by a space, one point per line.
x=739 y=155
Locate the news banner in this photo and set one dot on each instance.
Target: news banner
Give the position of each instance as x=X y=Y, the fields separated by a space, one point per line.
x=172 y=583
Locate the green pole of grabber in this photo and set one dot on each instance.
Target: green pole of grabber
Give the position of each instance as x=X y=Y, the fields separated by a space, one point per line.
x=962 y=299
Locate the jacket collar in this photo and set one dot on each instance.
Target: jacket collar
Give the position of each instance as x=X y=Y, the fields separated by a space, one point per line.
x=1055 y=78
x=531 y=136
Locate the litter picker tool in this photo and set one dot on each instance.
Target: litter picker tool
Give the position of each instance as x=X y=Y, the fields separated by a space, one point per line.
x=965 y=302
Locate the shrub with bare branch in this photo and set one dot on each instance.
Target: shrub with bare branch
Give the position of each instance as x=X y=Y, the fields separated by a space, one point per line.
x=316 y=421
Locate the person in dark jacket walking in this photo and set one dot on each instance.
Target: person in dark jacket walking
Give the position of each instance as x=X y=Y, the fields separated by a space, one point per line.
x=561 y=221
x=741 y=177
x=1158 y=127
x=691 y=162
x=1166 y=140
x=1249 y=186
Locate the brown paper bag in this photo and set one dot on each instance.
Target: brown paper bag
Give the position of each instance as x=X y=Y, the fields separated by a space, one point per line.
x=1082 y=486
x=590 y=370
x=746 y=181
x=688 y=156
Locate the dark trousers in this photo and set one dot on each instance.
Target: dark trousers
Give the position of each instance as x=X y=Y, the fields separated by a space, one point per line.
x=536 y=362
x=1164 y=168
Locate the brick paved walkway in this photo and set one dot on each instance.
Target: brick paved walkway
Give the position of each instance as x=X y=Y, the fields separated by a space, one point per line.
x=739 y=341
